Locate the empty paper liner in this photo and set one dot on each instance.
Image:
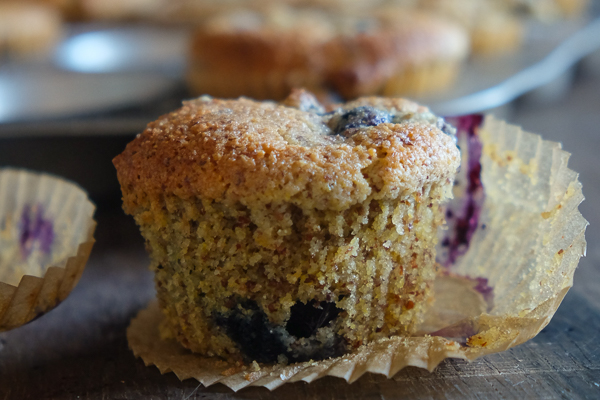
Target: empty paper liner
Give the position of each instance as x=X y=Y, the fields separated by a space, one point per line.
x=46 y=236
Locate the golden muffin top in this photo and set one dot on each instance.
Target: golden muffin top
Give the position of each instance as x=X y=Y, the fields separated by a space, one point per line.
x=296 y=151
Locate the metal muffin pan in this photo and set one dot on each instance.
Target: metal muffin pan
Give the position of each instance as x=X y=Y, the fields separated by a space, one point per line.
x=98 y=70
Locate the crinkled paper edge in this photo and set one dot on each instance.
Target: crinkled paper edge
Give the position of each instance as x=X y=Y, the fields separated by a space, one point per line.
x=36 y=295
x=518 y=168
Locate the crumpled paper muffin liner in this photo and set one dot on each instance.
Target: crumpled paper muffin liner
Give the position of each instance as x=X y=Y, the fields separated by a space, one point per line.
x=528 y=241
x=46 y=237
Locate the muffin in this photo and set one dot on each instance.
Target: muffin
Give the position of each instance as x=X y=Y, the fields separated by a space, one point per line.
x=28 y=30
x=258 y=54
x=263 y=54
x=493 y=28
x=398 y=52
x=282 y=232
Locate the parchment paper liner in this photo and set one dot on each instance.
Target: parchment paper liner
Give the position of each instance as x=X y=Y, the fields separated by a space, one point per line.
x=528 y=252
x=24 y=297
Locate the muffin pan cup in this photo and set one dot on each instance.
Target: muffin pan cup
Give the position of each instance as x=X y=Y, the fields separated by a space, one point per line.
x=46 y=237
x=500 y=293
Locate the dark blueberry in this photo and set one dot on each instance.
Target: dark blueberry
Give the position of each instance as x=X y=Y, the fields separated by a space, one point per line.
x=360 y=117
x=306 y=319
x=249 y=327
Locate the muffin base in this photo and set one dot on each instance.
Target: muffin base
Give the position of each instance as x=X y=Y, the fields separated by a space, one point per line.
x=324 y=283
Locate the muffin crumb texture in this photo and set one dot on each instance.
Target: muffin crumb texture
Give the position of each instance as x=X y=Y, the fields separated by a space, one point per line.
x=289 y=232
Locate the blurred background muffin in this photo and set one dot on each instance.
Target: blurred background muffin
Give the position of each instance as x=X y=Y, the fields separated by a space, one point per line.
x=398 y=52
x=29 y=30
x=491 y=25
x=264 y=53
x=260 y=54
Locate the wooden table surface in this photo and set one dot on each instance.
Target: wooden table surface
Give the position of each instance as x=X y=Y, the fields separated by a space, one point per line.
x=79 y=350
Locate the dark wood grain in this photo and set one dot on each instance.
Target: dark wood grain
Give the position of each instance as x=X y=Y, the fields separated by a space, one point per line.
x=79 y=350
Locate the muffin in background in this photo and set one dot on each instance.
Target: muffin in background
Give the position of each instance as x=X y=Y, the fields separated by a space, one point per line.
x=404 y=52
x=493 y=28
x=264 y=54
x=259 y=54
x=282 y=232
x=29 y=30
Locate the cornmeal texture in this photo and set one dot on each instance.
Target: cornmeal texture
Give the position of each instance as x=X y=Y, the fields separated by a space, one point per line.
x=288 y=232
